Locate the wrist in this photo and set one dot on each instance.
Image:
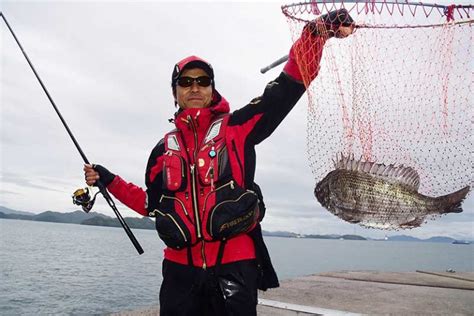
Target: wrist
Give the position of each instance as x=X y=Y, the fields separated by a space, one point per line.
x=105 y=176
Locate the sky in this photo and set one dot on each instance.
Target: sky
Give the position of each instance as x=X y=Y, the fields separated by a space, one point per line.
x=107 y=66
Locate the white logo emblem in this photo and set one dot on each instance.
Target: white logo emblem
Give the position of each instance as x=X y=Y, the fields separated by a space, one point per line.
x=213 y=130
x=172 y=142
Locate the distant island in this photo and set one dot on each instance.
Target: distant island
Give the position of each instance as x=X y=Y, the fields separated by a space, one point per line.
x=98 y=219
x=77 y=217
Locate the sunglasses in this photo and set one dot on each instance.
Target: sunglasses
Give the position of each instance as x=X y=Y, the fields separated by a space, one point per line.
x=203 y=81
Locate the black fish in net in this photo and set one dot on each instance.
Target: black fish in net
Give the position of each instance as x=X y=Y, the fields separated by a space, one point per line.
x=379 y=196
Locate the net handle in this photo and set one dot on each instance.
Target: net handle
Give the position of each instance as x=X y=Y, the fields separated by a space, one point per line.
x=277 y=62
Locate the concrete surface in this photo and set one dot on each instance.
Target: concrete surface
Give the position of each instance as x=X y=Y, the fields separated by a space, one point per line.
x=380 y=293
x=369 y=292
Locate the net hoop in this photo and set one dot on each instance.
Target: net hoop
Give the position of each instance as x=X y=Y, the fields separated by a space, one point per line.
x=455 y=14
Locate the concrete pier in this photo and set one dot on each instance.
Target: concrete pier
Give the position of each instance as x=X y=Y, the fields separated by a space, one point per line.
x=366 y=292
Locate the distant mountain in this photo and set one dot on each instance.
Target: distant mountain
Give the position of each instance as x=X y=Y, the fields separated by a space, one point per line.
x=101 y=221
x=80 y=217
x=293 y=235
x=353 y=237
x=440 y=239
x=15 y=216
x=332 y=236
x=431 y=239
x=141 y=223
x=132 y=222
x=6 y=210
x=280 y=234
x=402 y=238
x=76 y=217
x=322 y=236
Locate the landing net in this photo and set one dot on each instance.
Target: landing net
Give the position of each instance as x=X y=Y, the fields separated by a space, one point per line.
x=397 y=91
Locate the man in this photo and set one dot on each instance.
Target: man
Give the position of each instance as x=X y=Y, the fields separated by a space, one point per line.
x=200 y=182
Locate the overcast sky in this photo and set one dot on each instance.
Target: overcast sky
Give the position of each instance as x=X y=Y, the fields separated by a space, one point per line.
x=108 y=65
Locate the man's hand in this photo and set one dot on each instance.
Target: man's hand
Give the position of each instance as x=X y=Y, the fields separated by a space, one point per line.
x=95 y=172
x=337 y=23
x=344 y=31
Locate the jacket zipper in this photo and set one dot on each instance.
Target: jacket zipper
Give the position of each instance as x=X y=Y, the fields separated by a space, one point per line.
x=195 y=202
x=180 y=202
x=198 y=220
x=190 y=120
x=194 y=193
x=174 y=221
x=230 y=183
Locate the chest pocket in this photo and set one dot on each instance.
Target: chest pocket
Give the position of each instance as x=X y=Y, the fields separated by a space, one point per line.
x=174 y=165
x=213 y=159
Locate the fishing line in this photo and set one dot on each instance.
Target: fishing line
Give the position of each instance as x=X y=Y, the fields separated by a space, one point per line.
x=101 y=187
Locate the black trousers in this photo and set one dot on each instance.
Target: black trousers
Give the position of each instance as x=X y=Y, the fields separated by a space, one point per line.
x=229 y=290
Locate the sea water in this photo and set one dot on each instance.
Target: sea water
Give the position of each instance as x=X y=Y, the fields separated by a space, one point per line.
x=51 y=268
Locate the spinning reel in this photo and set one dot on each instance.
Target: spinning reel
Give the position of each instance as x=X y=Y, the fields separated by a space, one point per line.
x=82 y=197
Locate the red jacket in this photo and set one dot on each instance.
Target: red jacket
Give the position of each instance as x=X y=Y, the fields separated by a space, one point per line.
x=183 y=189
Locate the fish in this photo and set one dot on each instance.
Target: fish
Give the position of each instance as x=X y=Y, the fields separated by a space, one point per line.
x=380 y=196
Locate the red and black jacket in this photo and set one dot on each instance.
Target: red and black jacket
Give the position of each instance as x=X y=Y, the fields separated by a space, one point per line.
x=197 y=167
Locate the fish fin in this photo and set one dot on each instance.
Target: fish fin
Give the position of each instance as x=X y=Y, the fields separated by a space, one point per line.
x=404 y=175
x=452 y=202
x=342 y=162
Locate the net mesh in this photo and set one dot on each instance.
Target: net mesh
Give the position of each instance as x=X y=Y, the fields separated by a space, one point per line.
x=397 y=91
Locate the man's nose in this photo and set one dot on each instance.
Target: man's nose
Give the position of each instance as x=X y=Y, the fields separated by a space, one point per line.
x=195 y=86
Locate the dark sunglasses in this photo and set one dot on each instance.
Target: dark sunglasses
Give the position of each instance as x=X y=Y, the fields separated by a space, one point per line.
x=203 y=81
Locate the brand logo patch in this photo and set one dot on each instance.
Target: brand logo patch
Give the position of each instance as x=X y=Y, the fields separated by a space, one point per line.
x=172 y=142
x=213 y=130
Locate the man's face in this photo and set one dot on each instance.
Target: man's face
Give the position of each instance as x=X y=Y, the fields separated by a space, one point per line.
x=194 y=96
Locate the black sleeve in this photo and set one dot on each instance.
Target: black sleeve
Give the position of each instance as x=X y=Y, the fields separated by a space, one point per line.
x=263 y=114
x=154 y=188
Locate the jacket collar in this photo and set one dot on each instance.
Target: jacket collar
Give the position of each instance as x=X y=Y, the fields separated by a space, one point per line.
x=201 y=118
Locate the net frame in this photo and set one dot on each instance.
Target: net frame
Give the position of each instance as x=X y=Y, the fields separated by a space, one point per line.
x=319 y=7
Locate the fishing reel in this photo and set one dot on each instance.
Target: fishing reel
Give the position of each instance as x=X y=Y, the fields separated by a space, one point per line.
x=82 y=197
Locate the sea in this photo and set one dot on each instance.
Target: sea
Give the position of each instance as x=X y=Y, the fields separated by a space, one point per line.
x=67 y=269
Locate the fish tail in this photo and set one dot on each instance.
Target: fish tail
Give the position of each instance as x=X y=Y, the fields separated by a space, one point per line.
x=452 y=202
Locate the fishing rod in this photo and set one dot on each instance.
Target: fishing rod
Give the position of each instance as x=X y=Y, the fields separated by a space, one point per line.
x=100 y=185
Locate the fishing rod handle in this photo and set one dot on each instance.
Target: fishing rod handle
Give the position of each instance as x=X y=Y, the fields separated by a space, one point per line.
x=127 y=229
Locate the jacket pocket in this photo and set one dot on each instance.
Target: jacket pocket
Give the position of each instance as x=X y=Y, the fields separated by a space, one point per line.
x=233 y=216
x=174 y=172
x=172 y=230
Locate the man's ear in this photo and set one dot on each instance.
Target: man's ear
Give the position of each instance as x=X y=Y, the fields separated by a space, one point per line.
x=175 y=100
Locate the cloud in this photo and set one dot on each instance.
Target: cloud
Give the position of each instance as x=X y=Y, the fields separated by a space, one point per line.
x=22 y=181
x=7 y=192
